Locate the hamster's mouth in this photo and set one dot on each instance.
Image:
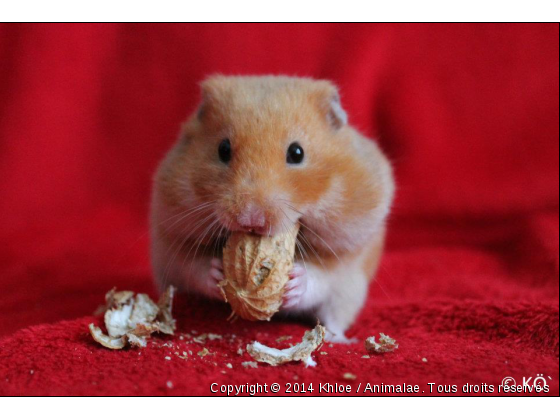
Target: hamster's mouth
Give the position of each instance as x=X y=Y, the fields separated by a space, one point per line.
x=265 y=230
x=256 y=231
x=270 y=227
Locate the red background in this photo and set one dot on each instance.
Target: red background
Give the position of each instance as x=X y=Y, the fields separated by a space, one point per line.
x=469 y=114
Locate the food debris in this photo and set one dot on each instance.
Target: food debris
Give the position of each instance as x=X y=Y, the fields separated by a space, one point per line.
x=324 y=353
x=229 y=365
x=283 y=338
x=386 y=344
x=203 y=352
x=256 y=271
x=201 y=339
x=169 y=384
x=240 y=351
x=250 y=364
x=425 y=360
x=311 y=340
x=131 y=319
x=365 y=356
x=349 y=376
x=105 y=340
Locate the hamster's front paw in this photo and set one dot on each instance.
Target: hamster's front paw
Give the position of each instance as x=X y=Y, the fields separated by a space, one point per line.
x=296 y=286
x=216 y=275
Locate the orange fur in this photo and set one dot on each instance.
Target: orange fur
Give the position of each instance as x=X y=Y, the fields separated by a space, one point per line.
x=262 y=116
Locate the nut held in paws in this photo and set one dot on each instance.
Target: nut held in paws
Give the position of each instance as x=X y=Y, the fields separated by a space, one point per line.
x=256 y=271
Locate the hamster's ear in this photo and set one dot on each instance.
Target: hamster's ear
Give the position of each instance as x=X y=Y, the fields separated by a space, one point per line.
x=331 y=106
x=336 y=115
x=210 y=89
x=205 y=100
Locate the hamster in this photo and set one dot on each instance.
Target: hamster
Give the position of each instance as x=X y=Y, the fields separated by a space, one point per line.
x=259 y=155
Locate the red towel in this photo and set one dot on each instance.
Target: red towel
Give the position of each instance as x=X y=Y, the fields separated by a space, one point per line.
x=469 y=114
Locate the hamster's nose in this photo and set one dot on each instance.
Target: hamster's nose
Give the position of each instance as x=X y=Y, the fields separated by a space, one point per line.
x=252 y=219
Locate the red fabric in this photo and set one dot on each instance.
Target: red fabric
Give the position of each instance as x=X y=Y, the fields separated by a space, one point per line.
x=467 y=113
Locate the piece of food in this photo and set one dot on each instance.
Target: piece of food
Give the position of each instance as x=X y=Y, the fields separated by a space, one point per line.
x=250 y=364
x=131 y=319
x=256 y=271
x=311 y=341
x=105 y=340
x=386 y=344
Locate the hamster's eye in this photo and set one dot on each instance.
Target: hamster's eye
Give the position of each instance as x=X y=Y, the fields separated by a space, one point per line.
x=224 y=150
x=294 y=155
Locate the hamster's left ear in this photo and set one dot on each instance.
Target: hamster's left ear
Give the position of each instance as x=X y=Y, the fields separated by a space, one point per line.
x=335 y=114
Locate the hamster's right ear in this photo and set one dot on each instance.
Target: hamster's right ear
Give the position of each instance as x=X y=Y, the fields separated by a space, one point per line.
x=331 y=106
x=204 y=102
x=336 y=115
x=211 y=89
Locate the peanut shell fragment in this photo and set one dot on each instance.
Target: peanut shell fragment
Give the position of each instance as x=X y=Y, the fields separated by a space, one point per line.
x=131 y=319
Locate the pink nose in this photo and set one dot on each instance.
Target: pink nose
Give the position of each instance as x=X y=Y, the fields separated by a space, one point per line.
x=252 y=219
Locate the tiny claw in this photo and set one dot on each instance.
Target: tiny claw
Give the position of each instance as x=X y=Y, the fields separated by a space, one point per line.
x=296 y=271
x=217 y=264
x=216 y=275
x=290 y=301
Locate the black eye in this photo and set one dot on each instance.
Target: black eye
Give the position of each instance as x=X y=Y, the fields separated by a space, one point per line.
x=294 y=155
x=224 y=150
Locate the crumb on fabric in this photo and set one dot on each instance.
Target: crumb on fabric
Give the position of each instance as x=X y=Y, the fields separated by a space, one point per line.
x=201 y=339
x=386 y=344
x=349 y=376
x=424 y=360
x=250 y=364
x=204 y=352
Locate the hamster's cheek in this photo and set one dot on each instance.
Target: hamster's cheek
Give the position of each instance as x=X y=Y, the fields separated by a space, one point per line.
x=306 y=186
